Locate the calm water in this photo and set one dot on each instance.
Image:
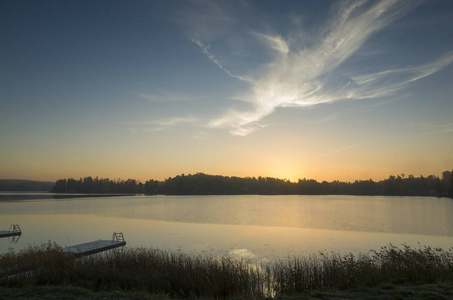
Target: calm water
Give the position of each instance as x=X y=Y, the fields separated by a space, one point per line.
x=259 y=227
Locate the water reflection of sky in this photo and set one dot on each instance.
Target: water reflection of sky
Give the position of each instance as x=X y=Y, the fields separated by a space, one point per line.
x=257 y=227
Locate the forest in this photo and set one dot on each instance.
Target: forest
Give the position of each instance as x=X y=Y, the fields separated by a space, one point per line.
x=25 y=185
x=204 y=184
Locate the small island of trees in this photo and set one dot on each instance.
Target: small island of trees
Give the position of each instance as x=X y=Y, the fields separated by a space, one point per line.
x=204 y=184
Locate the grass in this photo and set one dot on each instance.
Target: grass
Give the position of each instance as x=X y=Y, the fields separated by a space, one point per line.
x=388 y=265
x=388 y=273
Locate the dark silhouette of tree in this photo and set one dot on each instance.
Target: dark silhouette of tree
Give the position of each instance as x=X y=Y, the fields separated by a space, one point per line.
x=447 y=183
x=88 y=185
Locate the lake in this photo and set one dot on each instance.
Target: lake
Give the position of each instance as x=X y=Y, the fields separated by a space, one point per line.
x=251 y=226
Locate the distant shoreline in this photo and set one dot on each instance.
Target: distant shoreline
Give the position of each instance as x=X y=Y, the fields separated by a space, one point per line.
x=24 y=197
x=29 y=196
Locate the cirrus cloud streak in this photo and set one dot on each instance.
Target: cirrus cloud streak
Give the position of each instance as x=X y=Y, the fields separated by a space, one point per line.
x=298 y=76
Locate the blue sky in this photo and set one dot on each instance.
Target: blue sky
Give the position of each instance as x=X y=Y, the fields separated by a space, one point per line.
x=291 y=89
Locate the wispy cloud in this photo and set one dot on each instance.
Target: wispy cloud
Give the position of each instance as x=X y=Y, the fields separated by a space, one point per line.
x=386 y=82
x=276 y=42
x=433 y=129
x=445 y=129
x=201 y=135
x=338 y=150
x=206 y=19
x=205 y=50
x=299 y=76
x=161 y=124
x=164 y=96
x=174 y=121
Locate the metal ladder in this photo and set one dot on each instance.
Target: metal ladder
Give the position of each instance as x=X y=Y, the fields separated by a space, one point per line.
x=118 y=236
x=14 y=228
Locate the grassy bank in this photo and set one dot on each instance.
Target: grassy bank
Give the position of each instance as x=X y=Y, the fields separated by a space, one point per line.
x=175 y=274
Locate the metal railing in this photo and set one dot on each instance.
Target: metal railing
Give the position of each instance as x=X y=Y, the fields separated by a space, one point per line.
x=14 y=228
x=118 y=236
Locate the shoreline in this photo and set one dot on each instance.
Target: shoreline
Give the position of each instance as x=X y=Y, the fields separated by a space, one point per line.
x=23 y=196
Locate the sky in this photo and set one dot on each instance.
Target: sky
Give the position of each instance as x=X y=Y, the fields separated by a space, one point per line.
x=325 y=90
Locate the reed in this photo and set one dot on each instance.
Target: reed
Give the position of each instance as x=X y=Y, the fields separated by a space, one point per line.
x=390 y=264
x=193 y=276
x=37 y=264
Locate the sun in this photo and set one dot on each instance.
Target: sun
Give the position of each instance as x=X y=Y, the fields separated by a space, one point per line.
x=285 y=171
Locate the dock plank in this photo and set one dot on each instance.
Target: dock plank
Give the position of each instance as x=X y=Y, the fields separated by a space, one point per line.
x=9 y=233
x=93 y=247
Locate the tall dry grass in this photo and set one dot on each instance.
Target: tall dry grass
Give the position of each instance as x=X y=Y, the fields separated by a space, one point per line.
x=181 y=275
x=390 y=264
x=37 y=264
x=173 y=273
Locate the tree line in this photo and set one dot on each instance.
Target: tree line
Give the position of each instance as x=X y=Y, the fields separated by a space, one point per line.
x=90 y=185
x=204 y=184
x=25 y=185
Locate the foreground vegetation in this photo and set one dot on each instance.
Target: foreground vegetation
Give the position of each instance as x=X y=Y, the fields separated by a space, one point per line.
x=203 y=184
x=151 y=272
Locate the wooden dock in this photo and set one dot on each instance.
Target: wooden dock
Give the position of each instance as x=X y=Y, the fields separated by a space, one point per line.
x=14 y=230
x=96 y=246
